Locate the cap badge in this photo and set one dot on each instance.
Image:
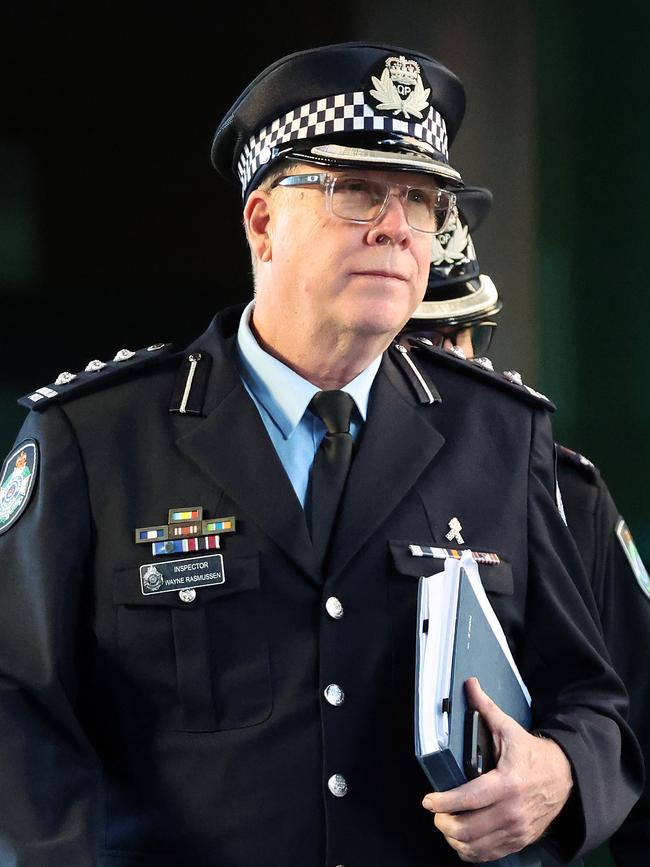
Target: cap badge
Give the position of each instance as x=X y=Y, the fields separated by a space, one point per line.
x=452 y=246
x=400 y=88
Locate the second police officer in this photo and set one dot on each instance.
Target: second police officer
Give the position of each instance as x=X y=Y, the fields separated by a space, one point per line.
x=458 y=315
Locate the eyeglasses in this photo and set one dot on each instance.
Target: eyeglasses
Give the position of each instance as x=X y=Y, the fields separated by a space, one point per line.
x=479 y=333
x=364 y=200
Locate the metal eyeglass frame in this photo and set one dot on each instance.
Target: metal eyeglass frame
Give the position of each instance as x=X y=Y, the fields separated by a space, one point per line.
x=328 y=182
x=429 y=329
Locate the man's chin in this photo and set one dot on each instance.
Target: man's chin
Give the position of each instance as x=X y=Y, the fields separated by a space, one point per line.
x=378 y=322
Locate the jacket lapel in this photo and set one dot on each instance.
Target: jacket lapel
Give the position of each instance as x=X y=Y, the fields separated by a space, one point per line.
x=232 y=446
x=398 y=443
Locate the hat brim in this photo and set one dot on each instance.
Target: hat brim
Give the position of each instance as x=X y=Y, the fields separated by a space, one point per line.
x=474 y=203
x=344 y=156
x=476 y=304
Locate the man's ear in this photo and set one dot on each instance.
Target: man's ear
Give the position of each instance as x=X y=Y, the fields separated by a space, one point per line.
x=257 y=221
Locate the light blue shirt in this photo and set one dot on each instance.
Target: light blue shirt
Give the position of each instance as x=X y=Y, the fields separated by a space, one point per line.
x=282 y=397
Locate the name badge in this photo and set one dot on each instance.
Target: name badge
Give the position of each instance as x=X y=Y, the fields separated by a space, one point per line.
x=170 y=575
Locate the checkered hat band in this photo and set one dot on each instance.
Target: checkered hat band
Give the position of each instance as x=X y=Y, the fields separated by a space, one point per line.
x=346 y=112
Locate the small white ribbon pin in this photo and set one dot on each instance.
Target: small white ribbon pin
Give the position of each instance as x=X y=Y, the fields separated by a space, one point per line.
x=454 y=531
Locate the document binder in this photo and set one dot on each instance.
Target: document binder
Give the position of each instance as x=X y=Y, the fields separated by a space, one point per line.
x=459 y=636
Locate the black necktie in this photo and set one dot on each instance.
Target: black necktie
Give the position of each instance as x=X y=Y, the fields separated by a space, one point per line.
x=331 y=463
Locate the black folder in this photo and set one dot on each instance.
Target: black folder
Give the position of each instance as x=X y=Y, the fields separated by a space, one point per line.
x=459 y=636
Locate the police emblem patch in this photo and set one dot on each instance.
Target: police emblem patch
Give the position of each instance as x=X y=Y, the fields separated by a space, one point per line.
x=632 y=554
x=17 y=482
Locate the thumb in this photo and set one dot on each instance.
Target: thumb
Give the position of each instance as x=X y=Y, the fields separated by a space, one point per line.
x=492 y=714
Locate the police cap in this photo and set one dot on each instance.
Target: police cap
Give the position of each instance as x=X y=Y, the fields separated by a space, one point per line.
x=346 y=105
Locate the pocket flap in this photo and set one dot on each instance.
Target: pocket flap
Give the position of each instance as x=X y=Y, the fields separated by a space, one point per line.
x=495 y=577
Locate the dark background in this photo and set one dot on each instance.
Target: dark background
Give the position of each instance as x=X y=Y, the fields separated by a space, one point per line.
x=115 y=231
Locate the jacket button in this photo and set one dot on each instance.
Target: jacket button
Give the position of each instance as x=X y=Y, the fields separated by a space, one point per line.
x=338 y=785
x=187 y=595
x=334 y=694
x=334 y=608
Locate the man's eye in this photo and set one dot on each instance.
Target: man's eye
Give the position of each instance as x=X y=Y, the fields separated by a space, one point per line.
x=421 y=197
x=353 y=185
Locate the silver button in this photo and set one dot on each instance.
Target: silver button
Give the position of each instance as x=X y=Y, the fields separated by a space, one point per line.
x=124 y=355
x=483 y=362
x=334 y=694
x=92 y=366
x=187 y=595
x=338 y=785
x=65 y=377
x=513 y=376
x=458 y=351
x=334 y=608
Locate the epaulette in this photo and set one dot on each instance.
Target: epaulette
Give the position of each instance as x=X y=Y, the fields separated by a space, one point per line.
x=482 y=368
x=95 y=374
x=569 y=456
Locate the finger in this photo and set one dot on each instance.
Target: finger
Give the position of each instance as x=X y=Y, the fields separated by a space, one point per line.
x=474 y=795
x=490 y=848
x=472 y=826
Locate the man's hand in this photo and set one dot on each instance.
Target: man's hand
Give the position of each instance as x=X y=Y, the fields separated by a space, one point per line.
x=511 y=806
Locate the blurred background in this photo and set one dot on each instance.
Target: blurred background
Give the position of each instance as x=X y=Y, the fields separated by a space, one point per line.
x=116 y=232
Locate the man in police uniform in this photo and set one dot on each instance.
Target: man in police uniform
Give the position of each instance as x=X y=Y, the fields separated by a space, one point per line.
x=192 y=672
x=458 y=313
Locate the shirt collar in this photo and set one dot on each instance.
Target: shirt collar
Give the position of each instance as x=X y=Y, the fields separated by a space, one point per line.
x=282 y=392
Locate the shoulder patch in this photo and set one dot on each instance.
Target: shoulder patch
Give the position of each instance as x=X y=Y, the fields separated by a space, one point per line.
x=633 y=556
x=17 y=480
x=569 y=456
x=483 y=368
x=94 y=374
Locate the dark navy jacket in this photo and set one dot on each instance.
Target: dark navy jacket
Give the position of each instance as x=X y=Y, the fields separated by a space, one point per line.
x=623 y=600
x=141 y=730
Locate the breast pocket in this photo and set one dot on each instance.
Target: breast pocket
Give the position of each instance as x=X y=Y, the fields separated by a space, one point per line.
x=496 y=577
x=195 y=666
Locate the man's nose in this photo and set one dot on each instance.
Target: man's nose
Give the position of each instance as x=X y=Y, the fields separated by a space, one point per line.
x=392 y=222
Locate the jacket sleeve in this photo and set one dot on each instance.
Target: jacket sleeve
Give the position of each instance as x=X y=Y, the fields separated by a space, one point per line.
x=625 y=613
x=49 y=771
x=578 y=699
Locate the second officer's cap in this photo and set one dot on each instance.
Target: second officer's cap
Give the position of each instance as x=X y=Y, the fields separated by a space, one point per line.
x=457 y=292
x=346 y=105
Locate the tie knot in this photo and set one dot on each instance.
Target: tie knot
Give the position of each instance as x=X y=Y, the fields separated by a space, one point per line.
x=334 y=408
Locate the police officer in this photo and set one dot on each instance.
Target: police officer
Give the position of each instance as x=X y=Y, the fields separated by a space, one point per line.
x=458 y=313
x=207 y=628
